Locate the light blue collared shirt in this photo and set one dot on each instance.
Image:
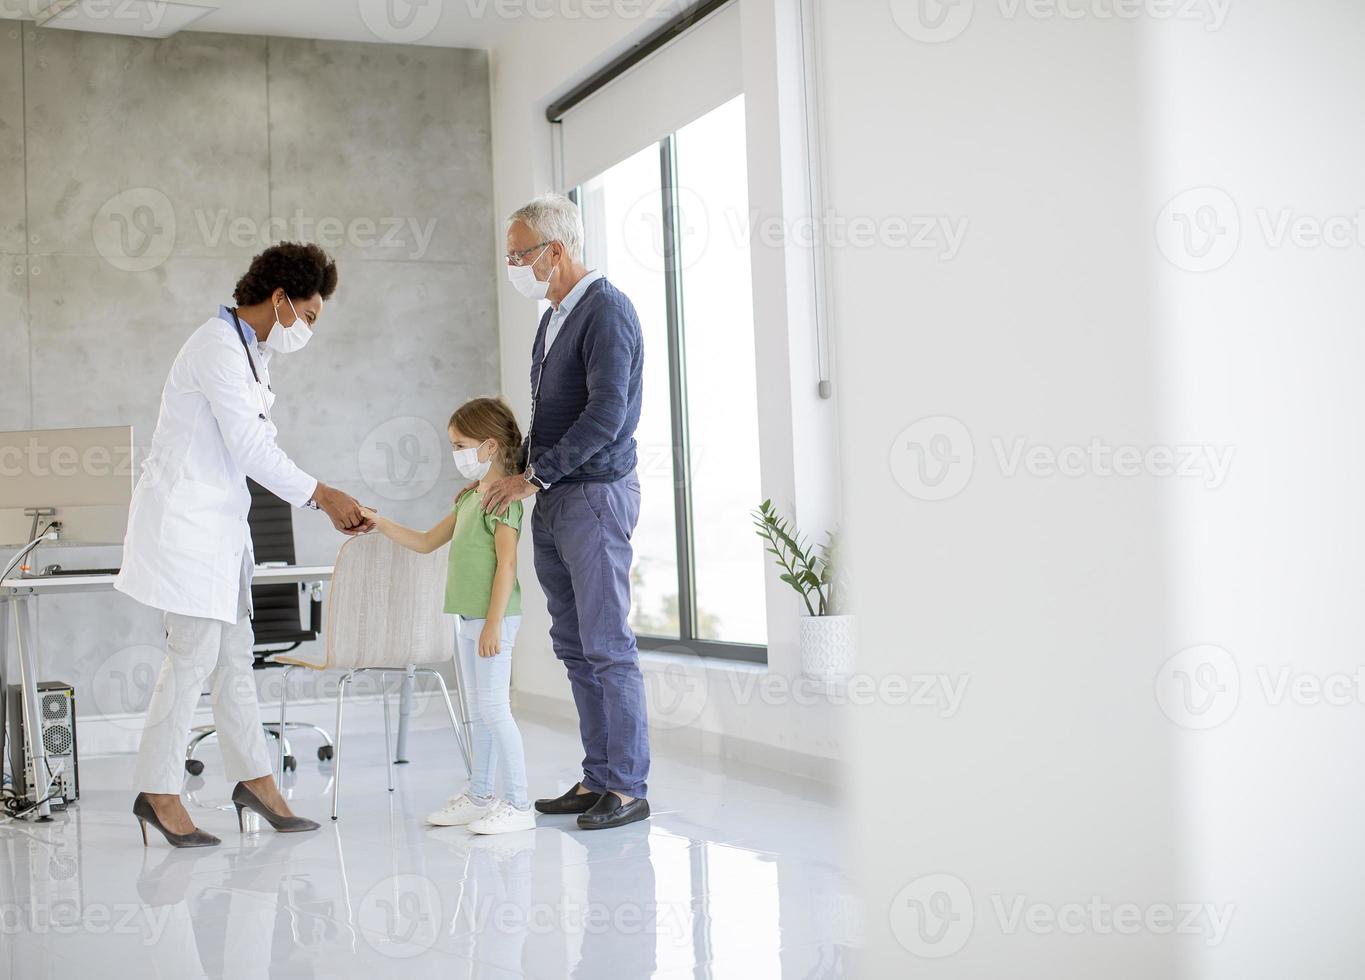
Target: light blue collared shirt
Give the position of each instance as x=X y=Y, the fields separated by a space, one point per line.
x=248 y=334
x=566 y=306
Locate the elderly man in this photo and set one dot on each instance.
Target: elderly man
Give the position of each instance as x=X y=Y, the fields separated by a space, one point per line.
x=580 y=464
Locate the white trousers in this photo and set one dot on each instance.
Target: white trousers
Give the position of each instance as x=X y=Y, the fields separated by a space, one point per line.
x=195 y=650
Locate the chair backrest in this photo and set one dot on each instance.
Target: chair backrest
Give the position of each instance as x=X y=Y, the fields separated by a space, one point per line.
x=275 y=608
x=272 y=525
x=386 y=606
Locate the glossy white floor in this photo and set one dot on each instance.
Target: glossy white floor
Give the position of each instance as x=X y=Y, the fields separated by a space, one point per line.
x=738 y=874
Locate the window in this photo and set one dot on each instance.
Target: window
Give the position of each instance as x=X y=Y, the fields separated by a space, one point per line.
x=669 y=226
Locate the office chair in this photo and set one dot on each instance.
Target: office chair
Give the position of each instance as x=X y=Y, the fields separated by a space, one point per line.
x=275 y=616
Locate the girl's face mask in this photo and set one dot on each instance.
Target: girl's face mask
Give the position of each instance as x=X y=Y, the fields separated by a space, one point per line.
x=469 y=464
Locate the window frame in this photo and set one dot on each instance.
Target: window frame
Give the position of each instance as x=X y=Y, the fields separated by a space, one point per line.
x=684 y=543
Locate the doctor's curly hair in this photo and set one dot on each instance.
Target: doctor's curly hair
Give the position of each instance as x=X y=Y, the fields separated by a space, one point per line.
x=301 y=270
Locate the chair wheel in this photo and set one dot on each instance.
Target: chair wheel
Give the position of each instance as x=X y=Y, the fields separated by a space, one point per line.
x=324 y=753
x=194 y=767
x=290 y=763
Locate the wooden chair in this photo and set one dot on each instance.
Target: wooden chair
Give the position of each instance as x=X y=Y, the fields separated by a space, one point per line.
x=384 y=616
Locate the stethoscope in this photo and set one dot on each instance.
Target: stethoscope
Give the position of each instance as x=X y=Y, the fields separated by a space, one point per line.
x=251 y=362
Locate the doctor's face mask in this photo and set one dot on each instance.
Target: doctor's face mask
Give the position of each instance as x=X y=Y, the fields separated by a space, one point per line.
x=287 y=339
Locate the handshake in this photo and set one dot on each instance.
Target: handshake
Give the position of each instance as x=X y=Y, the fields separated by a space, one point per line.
x=348 y=515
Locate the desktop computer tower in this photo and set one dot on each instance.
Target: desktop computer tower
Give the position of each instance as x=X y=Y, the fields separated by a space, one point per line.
x=57 y=723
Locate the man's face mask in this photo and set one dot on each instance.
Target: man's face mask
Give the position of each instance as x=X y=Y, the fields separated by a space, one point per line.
x=523 y=277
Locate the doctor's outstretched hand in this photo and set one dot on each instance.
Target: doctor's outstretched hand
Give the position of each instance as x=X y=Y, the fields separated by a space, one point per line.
x=344 y=510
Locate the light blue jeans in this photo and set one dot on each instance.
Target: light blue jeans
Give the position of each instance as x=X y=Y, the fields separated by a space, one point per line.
x=496 y=739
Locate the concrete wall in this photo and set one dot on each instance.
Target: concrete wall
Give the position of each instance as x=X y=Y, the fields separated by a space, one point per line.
x=137 y=179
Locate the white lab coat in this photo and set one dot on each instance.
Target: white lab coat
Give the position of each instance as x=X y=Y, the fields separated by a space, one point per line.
x=188 y=548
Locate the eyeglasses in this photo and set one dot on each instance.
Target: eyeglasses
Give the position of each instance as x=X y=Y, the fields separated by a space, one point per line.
x=515 y=258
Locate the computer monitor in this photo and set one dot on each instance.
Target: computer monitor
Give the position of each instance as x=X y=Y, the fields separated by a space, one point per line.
x=80 y=477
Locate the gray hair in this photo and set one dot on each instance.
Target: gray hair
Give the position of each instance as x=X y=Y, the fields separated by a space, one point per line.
x=554 y=218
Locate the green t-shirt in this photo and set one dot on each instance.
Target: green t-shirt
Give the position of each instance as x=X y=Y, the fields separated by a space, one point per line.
x=474 y=559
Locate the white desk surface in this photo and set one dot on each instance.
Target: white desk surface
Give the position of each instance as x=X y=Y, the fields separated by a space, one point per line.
x=263 y=575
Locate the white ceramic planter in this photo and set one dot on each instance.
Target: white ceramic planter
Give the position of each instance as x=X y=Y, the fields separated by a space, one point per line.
x=827 y=646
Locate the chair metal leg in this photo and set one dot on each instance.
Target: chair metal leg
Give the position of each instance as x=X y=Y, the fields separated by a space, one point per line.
x=400 y=754
x=462 y=692
x=461 y=728
x=325 y=749
x=284 y=703
x=203 y=733
x=6 y=638
x=388 y=735
x=200 y=735
x=322 y=732
x=4 y=663
x=336 y=758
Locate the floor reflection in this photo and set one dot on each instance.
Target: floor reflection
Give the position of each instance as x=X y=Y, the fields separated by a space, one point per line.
x=735 y=875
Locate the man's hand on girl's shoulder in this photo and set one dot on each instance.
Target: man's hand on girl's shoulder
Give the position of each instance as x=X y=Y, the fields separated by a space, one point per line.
x=506 y=491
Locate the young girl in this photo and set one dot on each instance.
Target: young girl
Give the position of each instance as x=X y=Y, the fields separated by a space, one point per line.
x=482 y=590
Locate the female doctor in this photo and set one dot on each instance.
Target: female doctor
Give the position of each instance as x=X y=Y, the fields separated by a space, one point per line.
x=188 y=549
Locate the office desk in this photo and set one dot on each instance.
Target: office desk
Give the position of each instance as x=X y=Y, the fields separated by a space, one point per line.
x=22 y=594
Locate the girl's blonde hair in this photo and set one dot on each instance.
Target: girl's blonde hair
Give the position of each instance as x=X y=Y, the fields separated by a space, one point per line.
x=491 y=418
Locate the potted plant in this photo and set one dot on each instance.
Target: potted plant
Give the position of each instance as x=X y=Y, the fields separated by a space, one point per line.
x=827 y=641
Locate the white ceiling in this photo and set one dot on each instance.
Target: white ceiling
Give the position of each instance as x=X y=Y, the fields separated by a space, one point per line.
x=440 y=23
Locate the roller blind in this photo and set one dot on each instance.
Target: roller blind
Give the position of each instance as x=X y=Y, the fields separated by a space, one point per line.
x=677 y=84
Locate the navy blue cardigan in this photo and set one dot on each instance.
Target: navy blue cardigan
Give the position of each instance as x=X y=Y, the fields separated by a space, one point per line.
x=586 y=393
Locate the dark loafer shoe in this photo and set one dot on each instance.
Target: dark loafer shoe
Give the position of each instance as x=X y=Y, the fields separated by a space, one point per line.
x=571 y=802
x=609 y=811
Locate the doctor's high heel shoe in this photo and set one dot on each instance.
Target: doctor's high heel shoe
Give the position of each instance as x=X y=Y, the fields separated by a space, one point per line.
x=244 y=799
x=146 y=814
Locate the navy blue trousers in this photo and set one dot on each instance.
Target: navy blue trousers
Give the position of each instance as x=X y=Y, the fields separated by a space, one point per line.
x=581 y=533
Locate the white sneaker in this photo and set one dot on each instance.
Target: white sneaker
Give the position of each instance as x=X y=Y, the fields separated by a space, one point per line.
x=458 y=811
x=503 y=819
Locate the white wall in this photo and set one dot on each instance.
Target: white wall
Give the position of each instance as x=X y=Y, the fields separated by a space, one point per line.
x=1266 y=353
x=1074 y=767
x=743 y=711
